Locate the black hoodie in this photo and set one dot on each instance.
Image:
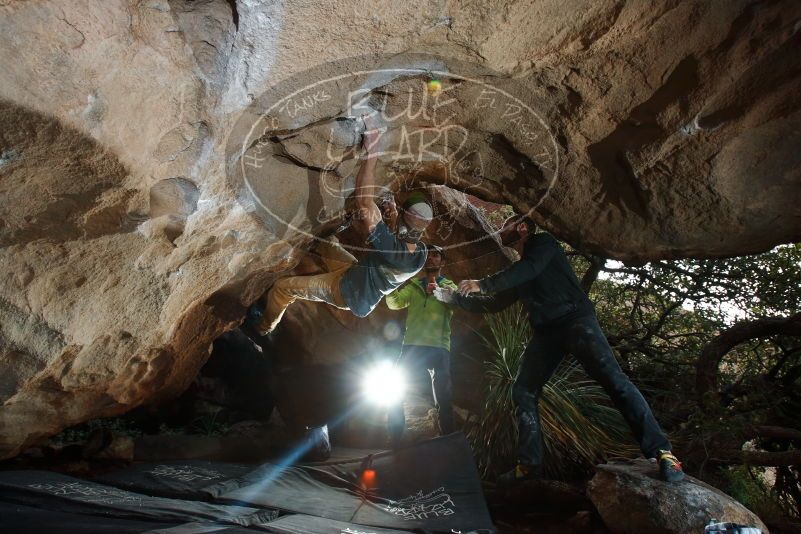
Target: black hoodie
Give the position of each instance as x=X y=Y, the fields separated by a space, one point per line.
x=542 y=279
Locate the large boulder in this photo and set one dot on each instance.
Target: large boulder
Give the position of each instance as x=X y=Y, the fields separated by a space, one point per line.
x=631 y=499
x=126 y=248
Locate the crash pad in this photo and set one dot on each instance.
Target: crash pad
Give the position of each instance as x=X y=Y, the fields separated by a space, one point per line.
x=432 y=486
x=186 y=479
x=21 y=519
x=62 y=493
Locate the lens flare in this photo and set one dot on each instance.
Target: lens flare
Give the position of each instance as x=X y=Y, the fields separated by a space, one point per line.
x=384 y=384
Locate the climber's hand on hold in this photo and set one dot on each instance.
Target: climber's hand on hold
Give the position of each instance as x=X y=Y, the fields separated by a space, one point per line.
x=365 y=191
x=371 y=139
x=469 y=286
x=389 y=210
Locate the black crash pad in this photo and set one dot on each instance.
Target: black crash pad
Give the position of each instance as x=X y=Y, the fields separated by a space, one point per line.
x=178 y=480
x=432 y=486
x=207 y=528
x=290 y=524
x=61 y=493
x=21 y=519
x=306 y=524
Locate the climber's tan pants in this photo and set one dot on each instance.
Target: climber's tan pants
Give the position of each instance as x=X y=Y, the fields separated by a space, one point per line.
x=319 y=288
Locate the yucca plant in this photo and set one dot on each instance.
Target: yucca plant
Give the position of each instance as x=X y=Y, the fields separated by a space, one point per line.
x=580 y=426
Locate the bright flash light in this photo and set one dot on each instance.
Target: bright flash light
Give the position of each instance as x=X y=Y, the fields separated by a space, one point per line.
x=384 y=384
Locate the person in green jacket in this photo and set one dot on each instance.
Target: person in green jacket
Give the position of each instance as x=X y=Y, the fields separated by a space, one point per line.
x=426 y=342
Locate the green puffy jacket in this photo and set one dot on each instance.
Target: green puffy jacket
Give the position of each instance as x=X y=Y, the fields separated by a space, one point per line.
x=428 y=321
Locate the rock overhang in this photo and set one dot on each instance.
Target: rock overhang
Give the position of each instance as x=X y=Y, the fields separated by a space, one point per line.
x=125 y=273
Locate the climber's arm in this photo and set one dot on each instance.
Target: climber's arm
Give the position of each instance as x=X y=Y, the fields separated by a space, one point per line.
x=486 y=303
x=368 y=213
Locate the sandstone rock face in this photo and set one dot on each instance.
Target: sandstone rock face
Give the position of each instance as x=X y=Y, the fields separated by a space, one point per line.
x=631 y=499
x=127 y=246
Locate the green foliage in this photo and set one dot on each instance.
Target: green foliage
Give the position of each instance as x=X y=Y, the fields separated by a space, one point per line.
x=659 y=317
x=580 y=427
x=80 y=433
x=166 y=430
x=718 y=289
x=787 y=489
x=494 y=438
x=209 y=425
x=751 y=488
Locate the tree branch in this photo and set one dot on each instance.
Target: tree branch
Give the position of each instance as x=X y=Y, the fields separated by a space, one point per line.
x=775 y=432
x=786 y=354
x=589 y=278
x=762 y=458
x=706 y=370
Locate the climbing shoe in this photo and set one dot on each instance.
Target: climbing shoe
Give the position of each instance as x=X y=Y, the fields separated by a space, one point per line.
x=520 y=473
x=669 y=467
x=252 y=325
x=253 y=316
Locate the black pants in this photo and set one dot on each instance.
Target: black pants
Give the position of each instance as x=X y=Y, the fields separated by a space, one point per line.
x=583 y=338
x=424 y=365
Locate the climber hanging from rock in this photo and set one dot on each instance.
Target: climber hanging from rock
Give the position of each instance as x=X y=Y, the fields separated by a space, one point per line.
x=394 y=255
x=564 y=322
